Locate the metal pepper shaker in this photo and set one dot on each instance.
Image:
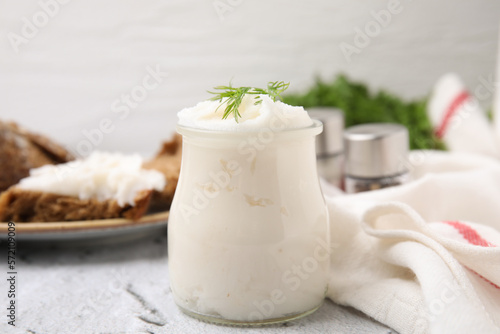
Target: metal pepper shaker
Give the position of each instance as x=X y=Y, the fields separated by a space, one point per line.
x=375 y=154
x=329 y=144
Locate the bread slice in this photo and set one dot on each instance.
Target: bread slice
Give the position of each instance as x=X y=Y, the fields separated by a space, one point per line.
x=168 y=162
x=22 y=205
x=21 y=150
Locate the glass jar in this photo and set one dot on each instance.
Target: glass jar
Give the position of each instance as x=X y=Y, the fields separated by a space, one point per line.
x=248 y=233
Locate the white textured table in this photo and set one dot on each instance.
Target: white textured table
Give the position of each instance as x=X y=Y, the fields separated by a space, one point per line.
x=124 y=288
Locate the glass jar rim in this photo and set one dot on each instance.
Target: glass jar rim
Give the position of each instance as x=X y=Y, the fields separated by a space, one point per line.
x=312 y=130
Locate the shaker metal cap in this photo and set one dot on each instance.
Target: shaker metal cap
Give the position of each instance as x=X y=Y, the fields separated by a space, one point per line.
x=329 y=142
x=375 y=150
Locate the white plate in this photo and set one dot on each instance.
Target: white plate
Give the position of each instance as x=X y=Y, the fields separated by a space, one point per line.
x=118 y=229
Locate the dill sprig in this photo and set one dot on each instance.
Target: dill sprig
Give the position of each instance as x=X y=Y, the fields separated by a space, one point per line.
x=233 y=96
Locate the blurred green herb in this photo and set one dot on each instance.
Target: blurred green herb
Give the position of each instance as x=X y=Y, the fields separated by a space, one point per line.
x=233 y=96
x=360 y=106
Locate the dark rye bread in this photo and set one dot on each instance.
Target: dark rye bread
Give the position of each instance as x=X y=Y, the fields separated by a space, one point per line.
x=21 y=205
x=168 y=162
x=21 y=150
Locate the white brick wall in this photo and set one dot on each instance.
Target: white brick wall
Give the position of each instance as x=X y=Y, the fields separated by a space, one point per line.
x=67 y=75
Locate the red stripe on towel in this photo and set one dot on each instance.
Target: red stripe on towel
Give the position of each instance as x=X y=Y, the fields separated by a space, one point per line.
x=473 y=238
x=457 y=102
x=484 y=278
x=470 y=234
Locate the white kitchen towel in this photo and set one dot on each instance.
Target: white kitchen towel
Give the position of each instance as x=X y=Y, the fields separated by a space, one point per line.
x=496 y=95
x=459 y=119
x=423 y=257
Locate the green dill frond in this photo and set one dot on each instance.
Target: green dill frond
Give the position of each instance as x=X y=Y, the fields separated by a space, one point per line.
x=233 y=96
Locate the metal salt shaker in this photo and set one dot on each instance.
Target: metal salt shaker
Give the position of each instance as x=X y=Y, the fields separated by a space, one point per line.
x=329 y=144
x=375 y=154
